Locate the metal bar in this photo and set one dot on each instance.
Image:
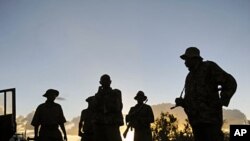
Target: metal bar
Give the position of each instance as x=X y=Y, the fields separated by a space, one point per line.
x=5 y=104
x=14 y=107
x=10 y=89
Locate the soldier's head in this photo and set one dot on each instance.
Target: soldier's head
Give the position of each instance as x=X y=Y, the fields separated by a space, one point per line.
x=51 y=94
x=105 y=81
x=90 y=101
x=140 y=97
x=191 y=57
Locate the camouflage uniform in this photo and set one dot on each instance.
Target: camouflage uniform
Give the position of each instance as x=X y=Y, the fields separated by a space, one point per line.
x=107 y=114
x=203 y=102
x=207 y=89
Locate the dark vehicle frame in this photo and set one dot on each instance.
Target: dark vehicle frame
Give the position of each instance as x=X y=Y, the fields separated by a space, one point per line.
x=7 y=114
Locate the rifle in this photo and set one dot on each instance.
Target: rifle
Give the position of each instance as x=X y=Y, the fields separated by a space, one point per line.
x=180 y=97
x=31 y=139
x=129 y=124
x=219 y=89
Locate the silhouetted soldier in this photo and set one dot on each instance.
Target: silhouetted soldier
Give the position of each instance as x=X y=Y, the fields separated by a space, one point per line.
x=107 y=112
x=85 y=129
x=207 y=89
x=48 y=116
x=140 y=117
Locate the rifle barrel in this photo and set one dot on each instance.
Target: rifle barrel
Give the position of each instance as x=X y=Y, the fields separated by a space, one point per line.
x=129 y=126
x=31 y=139
x=125 y=133
x=173 y=107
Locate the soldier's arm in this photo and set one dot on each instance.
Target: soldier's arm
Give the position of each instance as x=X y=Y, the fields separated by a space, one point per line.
x=227 y=82
x=129 y=117
x=36 y=131
x=80 y=125
x=151 y=115
x=36 y=121
x=61 y=122
x=228 y=90
x=119 y=99
x=64 y=131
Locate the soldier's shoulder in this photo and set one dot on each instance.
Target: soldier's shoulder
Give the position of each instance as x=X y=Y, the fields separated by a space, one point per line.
x=117 y=91
x=132 y=108
x=210 y=63
x=84 y=112
x=40 y=106
x=57 y=105
x=148 y=106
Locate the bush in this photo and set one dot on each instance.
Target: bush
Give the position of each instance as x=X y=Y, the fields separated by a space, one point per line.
x=165 y=128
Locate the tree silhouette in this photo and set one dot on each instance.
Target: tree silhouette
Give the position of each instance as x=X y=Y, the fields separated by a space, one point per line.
x=185 y=134
x=165 y=128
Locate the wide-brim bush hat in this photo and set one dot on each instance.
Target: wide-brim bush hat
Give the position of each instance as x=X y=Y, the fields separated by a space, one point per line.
x=140 y=95
x=50 y=92
x=191 y=52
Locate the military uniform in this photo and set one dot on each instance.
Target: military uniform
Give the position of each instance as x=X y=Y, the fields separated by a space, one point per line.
x=49 y=116
x=107 y=114
x=86 y=131
x=140 y=121
x=202 y=100
x=207 y=89
x=140 y=117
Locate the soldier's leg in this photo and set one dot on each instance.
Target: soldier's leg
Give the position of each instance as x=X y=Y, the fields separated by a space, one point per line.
x=143 y=135
x=207 y=132
x=100 y=133
x=214 y=133
x=198 y=133
x=87 y=137
x=113 y=133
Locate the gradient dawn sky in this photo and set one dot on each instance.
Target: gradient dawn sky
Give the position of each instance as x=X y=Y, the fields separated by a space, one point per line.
x=68 y=44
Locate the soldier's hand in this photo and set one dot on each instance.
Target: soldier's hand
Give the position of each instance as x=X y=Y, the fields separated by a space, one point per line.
x=36 y=138
x=130 y=117
x=225 y=98
x=65 y=138
x=80 y=134
x=179 y=101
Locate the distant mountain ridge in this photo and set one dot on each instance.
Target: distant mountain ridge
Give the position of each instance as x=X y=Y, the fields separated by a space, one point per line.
x=230 y=117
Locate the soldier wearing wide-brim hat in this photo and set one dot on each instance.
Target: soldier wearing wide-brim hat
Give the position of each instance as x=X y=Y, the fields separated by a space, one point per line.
x=51 y=92
x=191 y=52
x=203 y=100
x=48 y=117
x=140 y=117
x=85 y=129
x=140 y=96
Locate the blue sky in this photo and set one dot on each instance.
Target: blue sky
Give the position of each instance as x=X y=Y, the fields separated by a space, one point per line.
x=68 y=45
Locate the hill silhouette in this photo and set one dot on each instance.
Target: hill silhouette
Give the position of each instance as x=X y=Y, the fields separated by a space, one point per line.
x=231 y=116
